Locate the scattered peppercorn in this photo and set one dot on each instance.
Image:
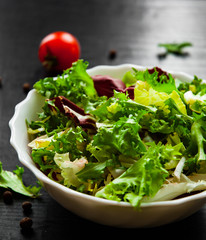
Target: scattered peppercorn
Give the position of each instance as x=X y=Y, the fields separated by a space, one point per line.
x=112 y=54
x=7 y=197
x=26 y=87
x=27 y=206
x=26 y=223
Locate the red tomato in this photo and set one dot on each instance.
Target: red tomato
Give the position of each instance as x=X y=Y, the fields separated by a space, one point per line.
x=58 y=50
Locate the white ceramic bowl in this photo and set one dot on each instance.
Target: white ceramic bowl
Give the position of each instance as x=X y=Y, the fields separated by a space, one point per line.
x=99 y=210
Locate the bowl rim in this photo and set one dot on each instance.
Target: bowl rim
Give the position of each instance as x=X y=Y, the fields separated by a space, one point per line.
x=43 y=178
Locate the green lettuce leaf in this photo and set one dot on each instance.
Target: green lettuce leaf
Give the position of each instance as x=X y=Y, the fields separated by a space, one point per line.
x=120 y=106
x=51 y=121
x=72 y=140
x=197 y=86
x=143 y=178
x=120 y=138
x=69 y=168
x=74 y=84
x=161 y=83
x=43 y=158
x=168 y=122
x=129 y=79
x=77 y=73
x=198 y=139
x=13 y=180
x=93 y=171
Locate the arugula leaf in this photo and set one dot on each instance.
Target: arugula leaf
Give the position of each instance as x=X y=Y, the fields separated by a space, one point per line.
x=14 y=182
x=175 y=48
x=143 y=178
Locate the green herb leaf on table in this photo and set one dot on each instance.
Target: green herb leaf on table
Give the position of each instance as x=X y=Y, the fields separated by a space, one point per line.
x=175 y=48
x=13 y=180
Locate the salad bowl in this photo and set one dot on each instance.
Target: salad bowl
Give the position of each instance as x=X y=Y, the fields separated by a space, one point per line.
x=103 y=211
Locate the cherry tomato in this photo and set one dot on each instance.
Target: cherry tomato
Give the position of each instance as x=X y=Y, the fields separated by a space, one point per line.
x=58 y=50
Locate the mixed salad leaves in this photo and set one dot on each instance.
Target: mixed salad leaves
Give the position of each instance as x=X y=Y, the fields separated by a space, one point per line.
x=138 y=139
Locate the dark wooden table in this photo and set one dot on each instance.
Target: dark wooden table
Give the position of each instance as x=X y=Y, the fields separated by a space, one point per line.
x=131 y=27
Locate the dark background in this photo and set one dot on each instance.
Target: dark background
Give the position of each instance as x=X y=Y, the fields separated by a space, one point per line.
x=131 y=27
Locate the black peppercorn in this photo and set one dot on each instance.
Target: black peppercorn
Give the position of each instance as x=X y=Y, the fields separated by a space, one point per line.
x=7 y=197
x=27 y=206
x=112 y=54
x=26 y=87
x=26 y=223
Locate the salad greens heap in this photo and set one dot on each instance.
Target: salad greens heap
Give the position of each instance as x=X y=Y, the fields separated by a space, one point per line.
x=139 y=139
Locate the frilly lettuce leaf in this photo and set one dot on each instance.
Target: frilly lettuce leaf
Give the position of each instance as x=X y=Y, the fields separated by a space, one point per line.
x=197 y=86
x=144 y=94
x=120 y=106
x=174 y=188
x=44 y=158
x=74 y=84
x=120 y=138
x=51 y=121
x=198 y=139
x=156 y=78
x=69 y=168
x=143 y=178
x=71 y=140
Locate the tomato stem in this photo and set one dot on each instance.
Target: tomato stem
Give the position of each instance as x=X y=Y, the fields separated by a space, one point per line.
x=50 y=62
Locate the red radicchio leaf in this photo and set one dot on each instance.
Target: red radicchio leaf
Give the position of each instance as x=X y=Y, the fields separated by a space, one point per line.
x=73 y=106
x=65 y=106
x=105 y=85
x=130 y=91
x=66 y=111
x=159 y=70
